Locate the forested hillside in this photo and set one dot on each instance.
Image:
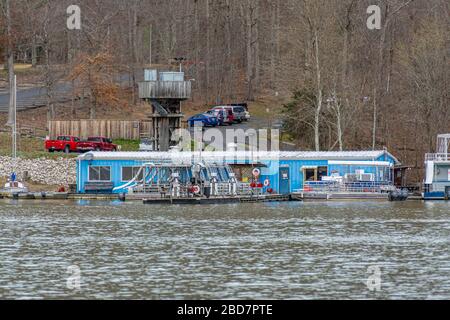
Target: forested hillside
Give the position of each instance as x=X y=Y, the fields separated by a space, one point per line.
x=351 y=87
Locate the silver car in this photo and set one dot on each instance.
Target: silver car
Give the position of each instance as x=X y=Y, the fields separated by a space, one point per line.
x=239 y=114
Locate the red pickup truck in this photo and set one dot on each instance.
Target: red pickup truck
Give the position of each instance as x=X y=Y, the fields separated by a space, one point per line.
x=66 y=144
x=96 y=144
x=69 y=144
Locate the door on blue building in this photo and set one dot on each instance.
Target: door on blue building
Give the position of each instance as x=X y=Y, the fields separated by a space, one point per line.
x=285 y=181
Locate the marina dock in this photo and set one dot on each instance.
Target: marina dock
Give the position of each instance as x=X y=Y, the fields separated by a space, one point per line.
x=329 y=196
x=146 y=199
x=219 y=200
x=306 y=196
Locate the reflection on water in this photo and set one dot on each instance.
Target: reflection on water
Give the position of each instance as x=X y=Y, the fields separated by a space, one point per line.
x=251 y=251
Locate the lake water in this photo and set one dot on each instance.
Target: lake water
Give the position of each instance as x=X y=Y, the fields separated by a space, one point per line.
x=252 y=251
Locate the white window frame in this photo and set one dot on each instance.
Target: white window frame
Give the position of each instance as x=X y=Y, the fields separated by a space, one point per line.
x=110 y=174
x=121 y=172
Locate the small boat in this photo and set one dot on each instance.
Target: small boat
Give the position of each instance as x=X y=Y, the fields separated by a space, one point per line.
x=14 y=187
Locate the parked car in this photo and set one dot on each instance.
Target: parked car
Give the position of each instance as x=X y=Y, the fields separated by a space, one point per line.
x=65 y=144
x=242 y=104
x=245 y=106
x=96 y=144
x=206 y=119
x=228 y=114
x=247 y=116
x=239 y=114
x=221 y=116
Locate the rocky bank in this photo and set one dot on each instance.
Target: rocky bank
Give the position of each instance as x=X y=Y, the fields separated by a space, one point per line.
x=43 y=171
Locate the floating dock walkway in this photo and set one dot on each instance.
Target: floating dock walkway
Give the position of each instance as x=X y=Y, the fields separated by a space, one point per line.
x=145 y=198
x=329 y=196
x=299 y=196
x=219 y=200
x=35 y=196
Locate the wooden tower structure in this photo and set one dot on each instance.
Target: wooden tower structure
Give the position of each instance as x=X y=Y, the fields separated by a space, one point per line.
x=164 y=91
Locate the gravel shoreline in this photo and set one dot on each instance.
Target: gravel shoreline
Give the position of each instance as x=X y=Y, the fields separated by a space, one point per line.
x=43 y=171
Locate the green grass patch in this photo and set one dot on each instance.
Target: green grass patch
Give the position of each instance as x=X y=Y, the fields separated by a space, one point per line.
x=287 y=137
x=22 y=69
x=34 y=148
x=29 y=148
x=127 y=145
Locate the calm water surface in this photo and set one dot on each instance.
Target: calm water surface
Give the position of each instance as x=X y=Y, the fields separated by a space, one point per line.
x=254 y=251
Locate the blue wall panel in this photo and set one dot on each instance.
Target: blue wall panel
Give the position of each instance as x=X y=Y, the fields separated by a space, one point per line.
x=116 y=170
x=295 y=171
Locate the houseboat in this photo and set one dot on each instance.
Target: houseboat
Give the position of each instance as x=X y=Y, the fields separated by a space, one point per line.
x=437 y=171
x=234 y=173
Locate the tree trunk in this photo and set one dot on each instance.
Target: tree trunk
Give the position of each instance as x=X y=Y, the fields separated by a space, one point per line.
x=48 y=74
x=34 y=52
x=250 y=51
x=339 y=123
x=375 y=119
x=132 y=21
x=49 y=85
x=319 y=92
x=208 y=51
x=150 y=45
x=229 y=53
x=92 y=101
x=10 y=62
x=275 y=45
x=135 y=34
x=198 y=80
x=255 y=29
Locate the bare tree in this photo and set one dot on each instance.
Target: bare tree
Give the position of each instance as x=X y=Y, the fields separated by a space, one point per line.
x=313 y=17
x=10 y=58
x=49 y=79
x=250 y=10
x=378 y=88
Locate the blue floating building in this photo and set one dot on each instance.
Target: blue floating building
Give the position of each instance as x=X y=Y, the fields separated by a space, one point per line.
x=279 y=172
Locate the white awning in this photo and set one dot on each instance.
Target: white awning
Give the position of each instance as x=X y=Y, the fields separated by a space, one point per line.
x=260 y=155
x=361 y=163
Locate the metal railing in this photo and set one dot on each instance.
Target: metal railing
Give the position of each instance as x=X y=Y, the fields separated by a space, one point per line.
x=437 y=157
x=353 y=187
x=244 y=188
x=164 y=190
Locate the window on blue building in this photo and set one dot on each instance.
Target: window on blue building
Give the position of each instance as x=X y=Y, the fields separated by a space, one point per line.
x=322 y=172
x=129 y=173
x=310 y=174
x=99 y=173
x=314 y=173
